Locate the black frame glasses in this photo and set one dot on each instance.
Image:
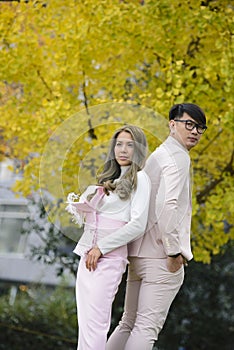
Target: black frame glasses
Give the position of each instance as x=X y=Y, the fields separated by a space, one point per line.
x=190 y=125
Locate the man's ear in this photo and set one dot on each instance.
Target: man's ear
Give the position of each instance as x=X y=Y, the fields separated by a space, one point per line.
x=172 y=126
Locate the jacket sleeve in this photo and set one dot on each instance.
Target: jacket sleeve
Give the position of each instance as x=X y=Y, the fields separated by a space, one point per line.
x=175 y=174
x=138 y=220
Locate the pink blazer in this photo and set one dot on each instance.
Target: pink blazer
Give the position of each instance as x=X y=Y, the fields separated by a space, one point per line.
x=170 y=211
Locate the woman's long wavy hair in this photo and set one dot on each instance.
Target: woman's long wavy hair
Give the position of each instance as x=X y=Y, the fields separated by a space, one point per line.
x=111 y=170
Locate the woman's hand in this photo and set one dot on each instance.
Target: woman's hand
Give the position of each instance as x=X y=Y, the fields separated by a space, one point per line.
x=92 y=258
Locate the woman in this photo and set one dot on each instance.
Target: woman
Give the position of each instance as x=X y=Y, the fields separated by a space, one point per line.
x=114 y=213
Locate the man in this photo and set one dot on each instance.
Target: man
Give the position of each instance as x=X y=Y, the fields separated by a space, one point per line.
x=157 y=259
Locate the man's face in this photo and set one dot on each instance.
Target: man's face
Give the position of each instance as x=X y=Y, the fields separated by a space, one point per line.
x=188 y=138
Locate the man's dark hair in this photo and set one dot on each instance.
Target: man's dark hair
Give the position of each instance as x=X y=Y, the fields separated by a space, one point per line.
x=191 y=109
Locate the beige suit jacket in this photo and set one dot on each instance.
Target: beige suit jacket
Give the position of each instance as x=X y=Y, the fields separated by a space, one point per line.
x=169 y=220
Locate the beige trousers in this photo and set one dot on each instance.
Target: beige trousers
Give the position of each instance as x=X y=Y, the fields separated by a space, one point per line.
x=151 y=288
x=95 y=292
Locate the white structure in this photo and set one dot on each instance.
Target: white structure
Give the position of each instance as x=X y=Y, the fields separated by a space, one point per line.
x=15 y=265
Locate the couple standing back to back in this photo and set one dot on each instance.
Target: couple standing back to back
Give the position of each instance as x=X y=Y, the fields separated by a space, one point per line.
x=158 y=254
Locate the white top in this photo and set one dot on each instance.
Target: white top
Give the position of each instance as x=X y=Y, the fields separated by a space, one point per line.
x=134 y=211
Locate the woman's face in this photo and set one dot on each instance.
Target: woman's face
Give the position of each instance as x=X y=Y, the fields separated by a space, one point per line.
x=124 y=148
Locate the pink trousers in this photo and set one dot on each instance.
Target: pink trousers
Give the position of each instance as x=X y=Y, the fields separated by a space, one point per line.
x=95 y=292
x=151 y=288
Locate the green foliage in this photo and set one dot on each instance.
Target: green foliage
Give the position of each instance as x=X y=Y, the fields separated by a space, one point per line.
x=201 y=317
x=39 y=319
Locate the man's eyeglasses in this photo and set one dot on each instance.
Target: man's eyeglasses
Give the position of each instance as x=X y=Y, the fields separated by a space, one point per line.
x=190 y=125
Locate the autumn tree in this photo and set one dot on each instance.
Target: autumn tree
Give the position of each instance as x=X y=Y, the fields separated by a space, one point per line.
x=72 y=71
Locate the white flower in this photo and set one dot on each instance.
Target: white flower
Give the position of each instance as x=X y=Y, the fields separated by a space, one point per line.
x=77 y=218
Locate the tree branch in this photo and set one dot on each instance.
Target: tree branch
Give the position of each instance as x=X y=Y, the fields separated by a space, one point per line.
x=91 y=129
x=211 y=141
x=201 y=197
x=44 y=82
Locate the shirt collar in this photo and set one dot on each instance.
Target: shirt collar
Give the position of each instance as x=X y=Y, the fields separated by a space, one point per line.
x=173 y=141
x=124 y=169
